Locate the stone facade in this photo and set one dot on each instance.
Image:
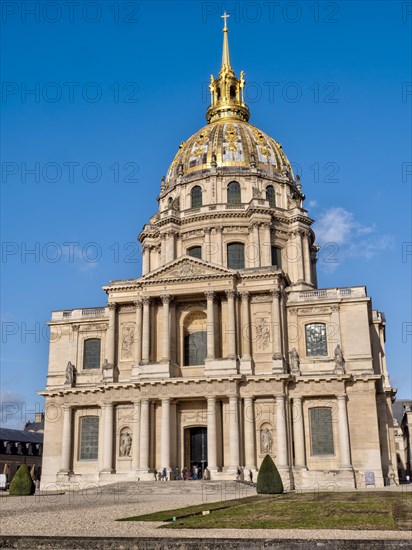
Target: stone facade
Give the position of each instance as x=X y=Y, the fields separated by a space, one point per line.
x=234 y=351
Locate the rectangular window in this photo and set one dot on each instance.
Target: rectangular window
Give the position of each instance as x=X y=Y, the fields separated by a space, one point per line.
x=89 y=438
x=236 y=256
x=276 y=257
x=91 y=359
x=316 y=343
x=321 y=431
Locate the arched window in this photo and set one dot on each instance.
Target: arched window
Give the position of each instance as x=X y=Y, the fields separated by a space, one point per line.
x=233 y=193
x=316 y=341
x=91 y=353
x=236 y=255
x=321 y=431
x=196 y=195
x=170 y=203
x=233 y=92
x=195 y=338
x=89 y=438
x=276 y=257
x=270 y=196
x=195 y=348
x=195 y=252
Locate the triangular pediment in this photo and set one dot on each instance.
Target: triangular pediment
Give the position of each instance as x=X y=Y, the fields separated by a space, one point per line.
x=187 y=267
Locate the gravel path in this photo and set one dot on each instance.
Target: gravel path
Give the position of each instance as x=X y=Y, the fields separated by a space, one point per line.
x=93 y=513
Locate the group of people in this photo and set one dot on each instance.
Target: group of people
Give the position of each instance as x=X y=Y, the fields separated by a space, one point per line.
x=195 y=473
x=240 y=475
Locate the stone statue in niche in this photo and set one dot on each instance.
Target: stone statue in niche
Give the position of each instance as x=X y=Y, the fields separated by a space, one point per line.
x=71 y=375
x=339 y=360
x=294 y=361
x=127 y=340
x=266 y=441
x=262 y=333
x=125 y=444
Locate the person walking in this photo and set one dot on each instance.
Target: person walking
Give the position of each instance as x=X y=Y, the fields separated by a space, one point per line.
x=251 y=476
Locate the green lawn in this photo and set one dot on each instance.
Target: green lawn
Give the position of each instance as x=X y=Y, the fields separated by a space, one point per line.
x=374 y=510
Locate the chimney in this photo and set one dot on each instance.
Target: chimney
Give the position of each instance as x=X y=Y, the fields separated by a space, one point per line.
x=39 y=418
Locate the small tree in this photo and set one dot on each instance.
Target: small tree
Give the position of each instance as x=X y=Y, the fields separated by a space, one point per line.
x=269 y=481
x=22 y=483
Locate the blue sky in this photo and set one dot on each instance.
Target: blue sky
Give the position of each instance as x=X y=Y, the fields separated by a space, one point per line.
x=118 y=85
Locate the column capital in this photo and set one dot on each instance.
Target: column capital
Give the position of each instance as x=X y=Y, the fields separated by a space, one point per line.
x=165 y=399
x=146 y=300
x=207 y=230
x=249 y=398
x=137 y=402
x=211 y=398
x=267 y=225
x=166 y=298
x=275 y=293
x=66 y=407
x=145 y=401
x=210 y=294
x=231 y=293
x=138 y=303
x=297 y=398
x=342 y=397
x=107 y=405
x=162 y=236
x=244 y=295
x=219 y=229
x=112 y=306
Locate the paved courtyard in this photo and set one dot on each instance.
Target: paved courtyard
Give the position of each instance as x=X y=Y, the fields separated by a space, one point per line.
x=93 y=512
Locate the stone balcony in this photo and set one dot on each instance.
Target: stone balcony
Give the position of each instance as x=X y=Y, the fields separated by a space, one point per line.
x=328 y=294
x=78 y=314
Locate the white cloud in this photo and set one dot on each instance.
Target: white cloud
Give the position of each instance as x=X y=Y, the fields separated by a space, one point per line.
x=341 y=236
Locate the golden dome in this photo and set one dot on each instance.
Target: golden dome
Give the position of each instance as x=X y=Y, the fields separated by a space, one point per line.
x=228 y=140
x=229 y=143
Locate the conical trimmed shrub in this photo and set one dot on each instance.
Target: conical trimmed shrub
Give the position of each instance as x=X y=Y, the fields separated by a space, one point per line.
x=22 y=483
x=269 y=481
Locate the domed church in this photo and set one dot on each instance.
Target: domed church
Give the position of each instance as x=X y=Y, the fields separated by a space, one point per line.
x=225 y=349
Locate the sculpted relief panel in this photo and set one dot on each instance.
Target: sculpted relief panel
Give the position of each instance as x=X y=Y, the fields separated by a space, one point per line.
x=127 y=339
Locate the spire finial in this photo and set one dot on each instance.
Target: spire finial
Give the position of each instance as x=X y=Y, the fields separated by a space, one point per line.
x=225 y=16
x=225 y=55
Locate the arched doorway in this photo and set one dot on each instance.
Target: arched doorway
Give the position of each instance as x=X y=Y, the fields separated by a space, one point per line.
x=196 y=449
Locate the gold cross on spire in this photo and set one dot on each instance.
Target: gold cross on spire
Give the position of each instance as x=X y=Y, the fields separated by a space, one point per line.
x=225 y=16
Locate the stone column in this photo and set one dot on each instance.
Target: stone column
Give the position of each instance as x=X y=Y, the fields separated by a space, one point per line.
x=144 y=436
x=166 y=328
x=136 y=435
x=162 y=249
x=211 y=434
x=145 y=259
x=299 y=261
x=266 y=246
x=246 y=329
x=219 y=235
x=111 y=335
x=231 y=323
x=250 y=443
x=210 y=295
x=206 y=243
x=146 y=330
x=234 y=433
x=256 y=244
x=344 y=445
x=281 y=440
x=165 y=435
x=66 y=440
x=276 y=323
x=306 y=257
x=298 y=433
x=170 y=246
x=138 y=332
x=108 y=438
